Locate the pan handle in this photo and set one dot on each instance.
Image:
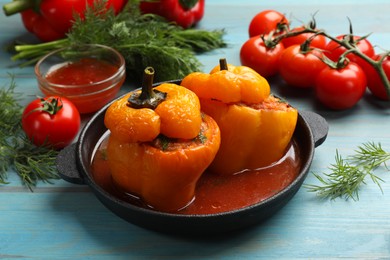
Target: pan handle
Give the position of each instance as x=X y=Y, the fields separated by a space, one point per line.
x=318 y=126
x=67 y=165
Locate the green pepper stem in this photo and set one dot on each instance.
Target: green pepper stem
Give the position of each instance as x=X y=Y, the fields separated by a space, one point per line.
x=188 y=4
x=149 y=97
x=17 y=6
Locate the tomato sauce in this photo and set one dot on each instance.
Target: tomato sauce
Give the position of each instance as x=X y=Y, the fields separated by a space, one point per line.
x=216 y=193
x=77 y=77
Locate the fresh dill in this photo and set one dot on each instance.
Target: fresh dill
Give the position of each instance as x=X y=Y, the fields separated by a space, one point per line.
x=143 y=40
x=17 y=152
x=348 y=175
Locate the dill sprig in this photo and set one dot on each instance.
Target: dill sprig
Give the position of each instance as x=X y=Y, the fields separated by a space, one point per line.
x=17 y=152
x=348 y=175
x=143 y=39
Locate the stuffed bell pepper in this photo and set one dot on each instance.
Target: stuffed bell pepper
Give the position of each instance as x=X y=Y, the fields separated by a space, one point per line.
x=160 y=144
x=256 y=127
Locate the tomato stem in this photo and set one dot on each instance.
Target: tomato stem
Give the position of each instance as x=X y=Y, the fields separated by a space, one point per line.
x=149 y=97
x=349 y=43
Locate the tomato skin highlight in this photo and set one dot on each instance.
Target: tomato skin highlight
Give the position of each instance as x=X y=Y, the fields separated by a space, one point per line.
x=263 y=60
x=54 y=131
x=265 y=22
x=300 y=69
x=341 y=89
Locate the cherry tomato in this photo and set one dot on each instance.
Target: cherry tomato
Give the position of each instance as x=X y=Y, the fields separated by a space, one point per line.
x=265 y=22
x=318 y=41
x=51 y=121
x=333 y=50
x=300 y=68
x=341 y=88
x=256 y=55
x=374 y=82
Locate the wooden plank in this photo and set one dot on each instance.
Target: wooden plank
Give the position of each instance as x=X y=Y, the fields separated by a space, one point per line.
x=63 y=220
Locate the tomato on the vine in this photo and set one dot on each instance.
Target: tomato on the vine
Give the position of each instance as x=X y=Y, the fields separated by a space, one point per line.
x=374 y=82
x=341 y=88
x=266 y=21
x=333 y=50
x=318 y=41
x=299 y=66
x=264 y=60
x=51 y=121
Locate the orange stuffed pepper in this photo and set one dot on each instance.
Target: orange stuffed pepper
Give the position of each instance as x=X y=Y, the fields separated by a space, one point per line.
x=256 y=127
x=160 y=144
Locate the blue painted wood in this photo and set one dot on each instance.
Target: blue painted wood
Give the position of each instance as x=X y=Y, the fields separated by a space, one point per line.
x=62 y=220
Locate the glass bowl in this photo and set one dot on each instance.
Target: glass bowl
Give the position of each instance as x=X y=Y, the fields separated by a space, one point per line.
x=89 y=75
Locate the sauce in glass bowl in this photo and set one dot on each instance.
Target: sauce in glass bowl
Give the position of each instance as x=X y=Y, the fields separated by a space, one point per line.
x=88 y=75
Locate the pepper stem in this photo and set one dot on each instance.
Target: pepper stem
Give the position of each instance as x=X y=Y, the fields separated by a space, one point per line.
x=223 y=64
x=188 y=4
x=149 y=97
x=17 y=6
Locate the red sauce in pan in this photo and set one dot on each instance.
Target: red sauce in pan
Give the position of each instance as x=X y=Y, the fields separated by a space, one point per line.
x=216 y=193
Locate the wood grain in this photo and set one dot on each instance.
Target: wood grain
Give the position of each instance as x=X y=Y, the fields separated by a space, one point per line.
x=66 y=221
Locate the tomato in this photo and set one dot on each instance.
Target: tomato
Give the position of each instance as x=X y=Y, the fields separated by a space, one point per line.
x=374 y=82
x=333 y=50
x=51 y=121
x=300 y=68
x=265 y=22
x=341 y=88
x=262 y=59
x=318 y=41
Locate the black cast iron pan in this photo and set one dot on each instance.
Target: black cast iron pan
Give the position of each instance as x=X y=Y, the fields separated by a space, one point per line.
x=73 y=165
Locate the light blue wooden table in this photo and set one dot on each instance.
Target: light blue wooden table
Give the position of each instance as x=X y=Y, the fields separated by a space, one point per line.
x=67 y=221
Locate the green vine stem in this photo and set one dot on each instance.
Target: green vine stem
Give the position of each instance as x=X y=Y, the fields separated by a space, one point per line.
x=271 y=41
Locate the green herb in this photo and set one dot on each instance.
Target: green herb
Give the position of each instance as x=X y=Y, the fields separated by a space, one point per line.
x=347 y=175
x=30 y=162
x=201 y=137
x=143 y=40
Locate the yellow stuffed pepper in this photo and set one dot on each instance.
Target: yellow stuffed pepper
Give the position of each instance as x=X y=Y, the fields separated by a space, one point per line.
x=256 y=127
x=160 y=144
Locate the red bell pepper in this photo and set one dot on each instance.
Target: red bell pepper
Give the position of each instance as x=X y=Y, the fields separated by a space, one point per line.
x=185 y=13
x=51 y=19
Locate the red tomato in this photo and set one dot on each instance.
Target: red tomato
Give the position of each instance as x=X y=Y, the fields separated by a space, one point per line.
x=265 y=22
x=341 y=88
x=374 y=82
x=51 y=121
x=300 y=69
x=256 y=55
x=318 y=41
x=333 y=50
